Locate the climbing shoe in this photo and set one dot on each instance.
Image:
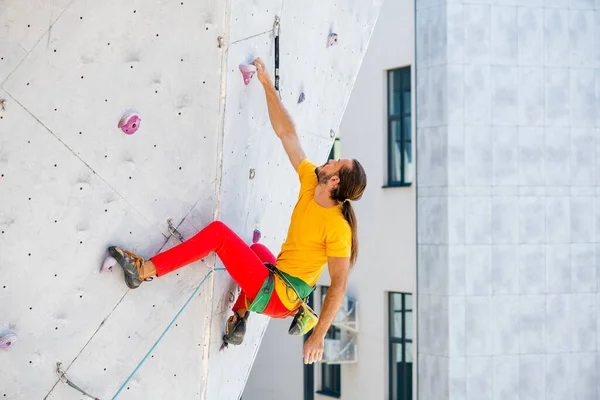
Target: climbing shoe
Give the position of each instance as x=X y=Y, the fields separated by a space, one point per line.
x=304 y=320
x=235 y=329
x=132 y=266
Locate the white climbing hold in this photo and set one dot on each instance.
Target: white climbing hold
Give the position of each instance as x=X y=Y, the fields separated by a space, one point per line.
x=7 y=339
x=108 y=264
x=248 y=72
x=332 y=39
x=130 y=122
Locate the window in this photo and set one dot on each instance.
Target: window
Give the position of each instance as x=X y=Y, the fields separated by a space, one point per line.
x=331 y=383
x=400 y=344
x=309 y=369
x=334 y=154
x=400 y=164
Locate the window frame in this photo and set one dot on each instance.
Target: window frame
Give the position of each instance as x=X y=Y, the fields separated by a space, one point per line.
x=335 y=148
x=405 y=74
x=309 y=369
x=402 y=340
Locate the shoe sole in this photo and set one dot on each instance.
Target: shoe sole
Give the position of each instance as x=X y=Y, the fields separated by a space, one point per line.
x=236 y=337
x=235 y=340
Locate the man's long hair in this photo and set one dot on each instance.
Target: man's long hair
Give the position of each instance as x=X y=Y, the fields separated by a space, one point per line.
x=351 y=187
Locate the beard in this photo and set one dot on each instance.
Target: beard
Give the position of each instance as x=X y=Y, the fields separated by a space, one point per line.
x=322 y=177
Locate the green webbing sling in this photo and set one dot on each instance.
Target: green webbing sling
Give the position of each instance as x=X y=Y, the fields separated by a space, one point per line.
x=301 y=288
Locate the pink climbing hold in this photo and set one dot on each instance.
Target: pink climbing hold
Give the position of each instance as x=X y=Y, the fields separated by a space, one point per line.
x=256 y=236
x=108 y=264
x=7 y=339
x=332 y=39
x=248 y=72
x=130 y=123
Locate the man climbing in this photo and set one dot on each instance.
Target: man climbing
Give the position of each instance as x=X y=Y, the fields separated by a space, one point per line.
x=322 y=232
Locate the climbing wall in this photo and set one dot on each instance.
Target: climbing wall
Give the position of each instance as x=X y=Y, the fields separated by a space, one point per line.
x=72 y=183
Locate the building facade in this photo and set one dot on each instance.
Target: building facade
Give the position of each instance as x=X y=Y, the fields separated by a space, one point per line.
x=507 y=118
x=378 y=130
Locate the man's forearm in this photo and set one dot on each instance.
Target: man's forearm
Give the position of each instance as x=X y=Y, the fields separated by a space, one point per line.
x=280 y=119
x=331 y=305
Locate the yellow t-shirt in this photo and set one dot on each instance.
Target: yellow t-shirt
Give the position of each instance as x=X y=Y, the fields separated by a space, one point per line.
x=315 y=233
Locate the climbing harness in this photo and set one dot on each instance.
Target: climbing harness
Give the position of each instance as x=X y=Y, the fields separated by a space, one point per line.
x=276 y=30
x=62 y=375
x=305 y=318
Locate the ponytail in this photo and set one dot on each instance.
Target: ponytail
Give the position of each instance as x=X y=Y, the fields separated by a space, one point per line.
x=351 y=187
x=350 y=216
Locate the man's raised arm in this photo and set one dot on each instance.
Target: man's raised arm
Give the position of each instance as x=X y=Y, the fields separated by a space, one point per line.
x=280 y=119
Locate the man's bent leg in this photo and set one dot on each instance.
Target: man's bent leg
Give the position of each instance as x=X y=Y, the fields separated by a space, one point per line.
x=240 y=304
x=246 y=269
x=235 y=329
x=265 y=256
x=195 y=248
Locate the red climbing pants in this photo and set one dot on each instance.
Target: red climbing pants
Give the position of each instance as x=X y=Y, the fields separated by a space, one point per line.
x=244 y=263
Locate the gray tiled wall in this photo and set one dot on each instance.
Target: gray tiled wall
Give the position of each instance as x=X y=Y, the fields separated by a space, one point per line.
x=508 y=112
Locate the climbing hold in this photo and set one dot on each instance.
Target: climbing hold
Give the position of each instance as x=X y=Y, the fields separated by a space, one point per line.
x=108 y=264
x=3 y=104
x=332 y=39
x=331 y=133
x=252 y=173
x=7 y=339
x=130 y=123
x=248 y=72
x=301 y=98
x=256 y=236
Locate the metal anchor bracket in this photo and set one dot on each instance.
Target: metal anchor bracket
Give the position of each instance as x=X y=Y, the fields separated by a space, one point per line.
x=62 y=375
x=173 y=231
x=177 y=235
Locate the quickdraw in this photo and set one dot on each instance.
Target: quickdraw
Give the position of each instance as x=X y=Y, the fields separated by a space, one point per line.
x=177 y=235
x=62 y=375
x=173 y=231
x=276 y=30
